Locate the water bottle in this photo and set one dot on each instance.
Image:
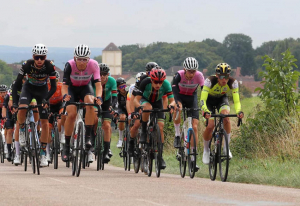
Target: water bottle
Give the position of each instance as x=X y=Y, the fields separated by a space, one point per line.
x=186 y=145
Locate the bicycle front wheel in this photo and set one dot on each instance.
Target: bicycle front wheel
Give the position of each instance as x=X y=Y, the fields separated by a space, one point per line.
x=1 y=148
x=99 y=145
x=56 y=147
x=157 y=149
x=79 y=149
x=223 y=156
x=181 y=156
x=35 y=147
x=213 y=158
x=125 y=146
x=136 y=156
x=192 y=153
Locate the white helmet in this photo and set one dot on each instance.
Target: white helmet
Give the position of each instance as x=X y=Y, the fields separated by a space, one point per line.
x=138 y=76
x=39 y=49
x=190 y=63
x=82 y=50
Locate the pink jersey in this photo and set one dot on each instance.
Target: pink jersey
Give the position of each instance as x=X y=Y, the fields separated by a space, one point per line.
x=188 y=87
x=82 y=78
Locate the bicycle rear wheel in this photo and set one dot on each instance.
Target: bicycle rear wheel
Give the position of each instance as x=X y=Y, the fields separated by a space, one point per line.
x=25 y=161
x=182 y=156
x=213 y=156
x=223 y=156
x=125 y=146
x=55 y=147
x=158 y=150
x=35 y=148
x=127 y=152
x=99 y=144
x=149 y=161
x=192 y=156
x=79 y=149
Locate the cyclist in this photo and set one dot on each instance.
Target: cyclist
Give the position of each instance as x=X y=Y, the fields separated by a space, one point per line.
x=4 y=97
x=55 y=107
x=109 y=96
x=131 y=96
x=214 y=94
x=122 y=112
x=39 y=69
x=185 y=85
x=149 y=96
x=77 y=86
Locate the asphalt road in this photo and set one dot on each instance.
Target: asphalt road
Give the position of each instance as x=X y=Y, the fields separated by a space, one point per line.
x=114 y=186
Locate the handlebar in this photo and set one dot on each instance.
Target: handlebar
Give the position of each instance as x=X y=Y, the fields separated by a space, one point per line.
x=240 y=122
x=30 y=107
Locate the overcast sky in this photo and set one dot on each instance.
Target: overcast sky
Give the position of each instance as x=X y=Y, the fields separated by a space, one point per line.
x=66 y=23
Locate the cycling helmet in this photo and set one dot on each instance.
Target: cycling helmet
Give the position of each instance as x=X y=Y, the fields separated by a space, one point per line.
x=158 y=74
x=57 y=75
x=138 y=76
x=190 y=63
x=82 y=51
x=150 y=65
x=223 y=68
x=103 y=67
x=120 y=81
x=39 y=49
x=3 y=88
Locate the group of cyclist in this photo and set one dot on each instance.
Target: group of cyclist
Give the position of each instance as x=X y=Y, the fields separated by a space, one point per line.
x=84 y=79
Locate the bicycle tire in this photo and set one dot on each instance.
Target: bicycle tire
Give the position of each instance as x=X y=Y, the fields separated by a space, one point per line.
x=223 y=158
x=74 y=145
x=84 y=163
x=192 y=154
x=25 y=161
x=149 y=162
x=136 y=156
x=98 y=148
x=13 y=154
x=158 y=150
x=213 y=162
x=35 y=147
x=102 y=149
x=181 y=152
x=79 y=150
x=125 y=151
x=56 y=147
x=1 y=148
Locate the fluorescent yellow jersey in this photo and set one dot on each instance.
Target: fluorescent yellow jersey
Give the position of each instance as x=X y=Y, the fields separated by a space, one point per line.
x=212 y=89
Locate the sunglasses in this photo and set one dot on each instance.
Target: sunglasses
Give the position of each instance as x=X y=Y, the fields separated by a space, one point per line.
x=82 y=59
x=103 y=74
x=223 y=77
x=39 y=57
x=122 y=86
x=157 y=82
x=192 y=71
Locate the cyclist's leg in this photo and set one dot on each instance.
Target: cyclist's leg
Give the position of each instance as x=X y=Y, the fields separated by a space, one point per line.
x=122 y=114
x=177 y=125
x=145 y=117
x=106 y=126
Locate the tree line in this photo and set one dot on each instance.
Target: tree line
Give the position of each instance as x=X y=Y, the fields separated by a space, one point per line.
x=236 y=50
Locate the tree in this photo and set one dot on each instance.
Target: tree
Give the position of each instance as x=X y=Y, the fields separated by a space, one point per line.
x=98 y=58
x=240 y=52
x=6 y=75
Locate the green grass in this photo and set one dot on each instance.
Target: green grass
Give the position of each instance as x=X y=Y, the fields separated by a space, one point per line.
x=248 y=104
x=255 y=171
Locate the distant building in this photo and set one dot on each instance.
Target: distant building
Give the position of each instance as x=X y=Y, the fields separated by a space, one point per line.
x=112 y=56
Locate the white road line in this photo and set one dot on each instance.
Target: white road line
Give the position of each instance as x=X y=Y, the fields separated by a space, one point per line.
x=153 y=203
x=56 y=180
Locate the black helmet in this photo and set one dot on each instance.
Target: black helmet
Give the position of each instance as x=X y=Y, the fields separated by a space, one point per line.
x=120 y=81
x=103 y=68
x=3 y=88
x=150 y=66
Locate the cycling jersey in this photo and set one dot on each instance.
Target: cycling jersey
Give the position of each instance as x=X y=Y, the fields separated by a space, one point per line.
x=148 y=92
x=131 y=91
x=75 y=77
x=2 y=102
x=57 y=96
x=213 y=89
x=184 y=86
x=37 y=80
x=109 y=89
x=122 y=101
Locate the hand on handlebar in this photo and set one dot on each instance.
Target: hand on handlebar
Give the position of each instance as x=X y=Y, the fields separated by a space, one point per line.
x=240 y=115
x=66 y=98
x=206 y=115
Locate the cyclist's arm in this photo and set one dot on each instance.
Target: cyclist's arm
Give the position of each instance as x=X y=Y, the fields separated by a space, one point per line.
x=137 y=101
x=236 y=96
x=175 y=87
x=114 y=94
x=52 y=77
x=204 y=95
x=98 y=89
x=66 y=79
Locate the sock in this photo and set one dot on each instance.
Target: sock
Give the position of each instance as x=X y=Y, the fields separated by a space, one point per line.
x=144 y=126
x=62 y=129
x=88 y=131
x=9 y=148
x=48 y=148
x=43 y=148
x=121 y=135
x=229 y=135
x=17 y=145
x=177 y=129
x=206 y=146
x=106 y=147
x=68 y=138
